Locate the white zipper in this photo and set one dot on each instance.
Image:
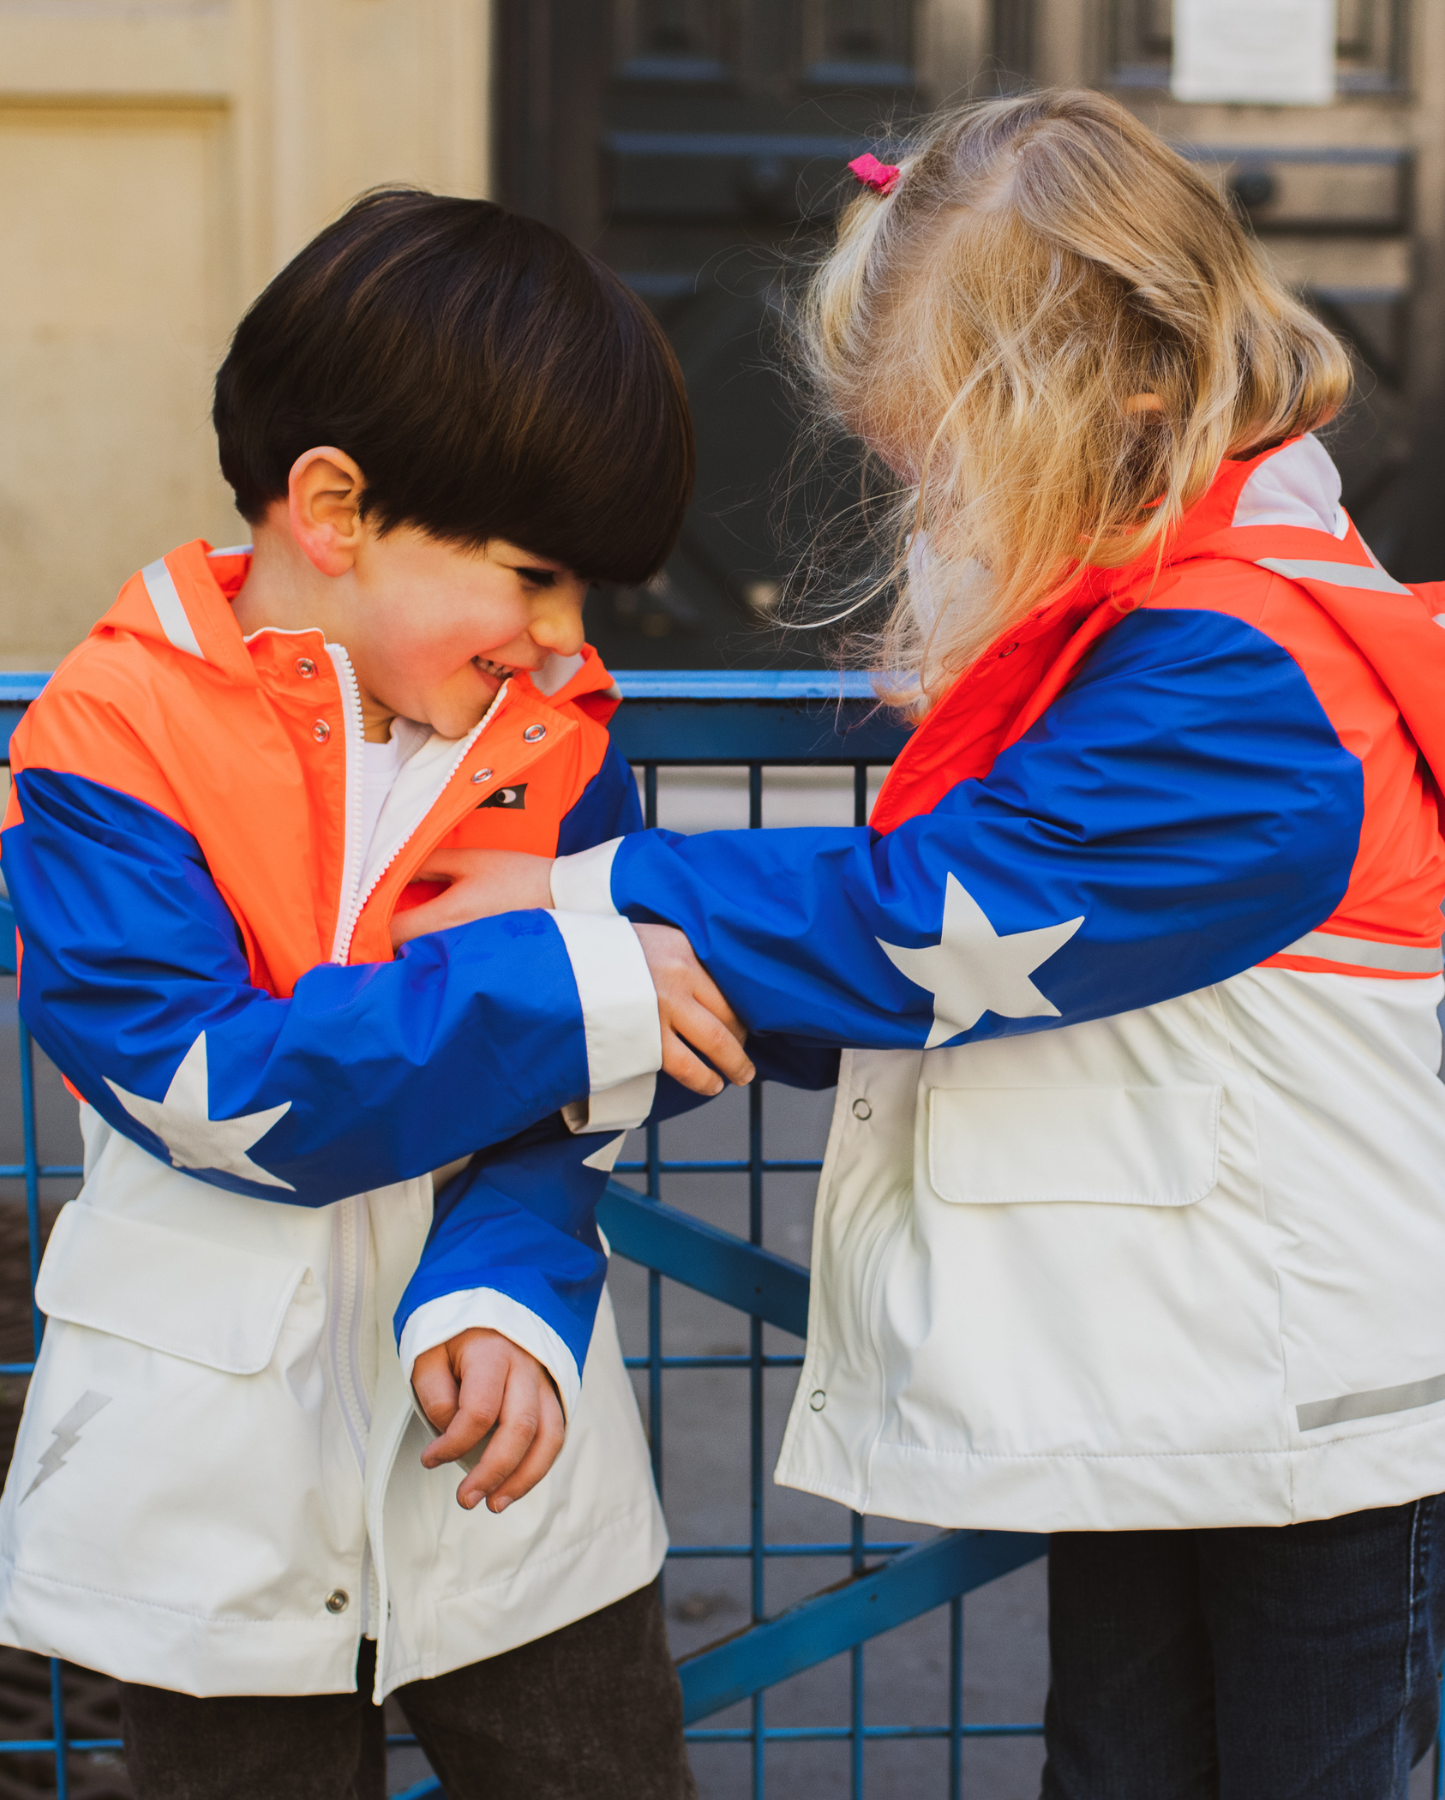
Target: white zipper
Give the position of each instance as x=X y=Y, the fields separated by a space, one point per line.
x=355 y=738
x=349 y=1218
x=348 y=914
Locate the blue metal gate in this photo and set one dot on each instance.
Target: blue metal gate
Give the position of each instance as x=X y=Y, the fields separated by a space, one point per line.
x=749 y=721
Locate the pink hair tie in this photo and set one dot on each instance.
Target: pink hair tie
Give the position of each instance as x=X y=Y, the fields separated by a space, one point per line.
x=872 y=173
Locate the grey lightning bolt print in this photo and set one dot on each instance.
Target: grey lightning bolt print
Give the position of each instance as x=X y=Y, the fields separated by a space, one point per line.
x=66 y=1434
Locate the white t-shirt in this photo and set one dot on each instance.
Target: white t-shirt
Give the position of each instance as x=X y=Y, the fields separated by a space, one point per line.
x=380 y=766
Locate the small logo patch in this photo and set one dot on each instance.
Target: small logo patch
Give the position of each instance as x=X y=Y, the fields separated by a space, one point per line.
x=513 y=798
x=66 y=1435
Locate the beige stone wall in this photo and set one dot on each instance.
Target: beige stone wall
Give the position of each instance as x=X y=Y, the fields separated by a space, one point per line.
x=159 y=160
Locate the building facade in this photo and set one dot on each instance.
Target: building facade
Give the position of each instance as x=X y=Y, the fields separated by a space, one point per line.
x=160 y=159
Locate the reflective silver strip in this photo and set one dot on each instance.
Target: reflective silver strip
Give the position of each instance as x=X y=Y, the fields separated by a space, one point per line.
x=1371 y=1404
x=1366 y=953
x=1350 y=575
x=170 y=612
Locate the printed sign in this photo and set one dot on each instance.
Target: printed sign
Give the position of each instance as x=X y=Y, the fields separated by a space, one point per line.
x=1272 y=52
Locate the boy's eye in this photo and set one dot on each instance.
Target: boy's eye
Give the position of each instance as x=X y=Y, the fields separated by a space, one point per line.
x=543 y=578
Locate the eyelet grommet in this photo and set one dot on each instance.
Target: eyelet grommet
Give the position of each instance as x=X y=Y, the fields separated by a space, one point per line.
x=862 y=1110
x=338 y=1600
x=534 y=734
x=305 y=668
x=480 y=775
x=817 y=1400
x=321 y=731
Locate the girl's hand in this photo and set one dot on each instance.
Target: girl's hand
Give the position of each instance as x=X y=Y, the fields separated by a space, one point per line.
x=474 y=1382
x=482 y=883
x=692 y=1012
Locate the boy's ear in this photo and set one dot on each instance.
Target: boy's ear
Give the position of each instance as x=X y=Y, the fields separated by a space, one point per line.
x=323 y=494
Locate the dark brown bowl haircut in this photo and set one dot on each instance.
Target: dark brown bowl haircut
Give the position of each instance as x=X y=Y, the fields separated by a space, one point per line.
x=491 y=379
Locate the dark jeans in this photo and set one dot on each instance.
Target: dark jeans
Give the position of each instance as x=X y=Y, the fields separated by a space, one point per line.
x=1293 y=1663
x=593 y=1712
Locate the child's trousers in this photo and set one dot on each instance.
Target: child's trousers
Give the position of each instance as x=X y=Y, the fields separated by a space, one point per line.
x=592 y=1712
x=1298 y=1662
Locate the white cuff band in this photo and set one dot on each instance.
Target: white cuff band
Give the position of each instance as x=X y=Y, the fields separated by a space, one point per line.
x=583 y=883
x=619 y=1002
x=620 y=1108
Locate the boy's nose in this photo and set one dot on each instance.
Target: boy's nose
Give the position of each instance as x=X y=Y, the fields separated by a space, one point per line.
x=559 y=629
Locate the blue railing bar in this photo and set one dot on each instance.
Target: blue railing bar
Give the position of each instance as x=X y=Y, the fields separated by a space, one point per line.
x=17 y=1368
x=420 y=1789
x=802 y=1734
x=737 y=1360
x=46 y=1171
x=671 y=1242
x=701 y=1552
x=22 y=685
x=733 y=1166
x=853 y=1612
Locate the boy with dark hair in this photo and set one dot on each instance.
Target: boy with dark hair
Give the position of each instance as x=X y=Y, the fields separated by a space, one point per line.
x=442 y=420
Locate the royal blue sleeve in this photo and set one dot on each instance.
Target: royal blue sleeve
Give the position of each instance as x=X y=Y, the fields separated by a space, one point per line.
x=135 y=983
x=1183 y=810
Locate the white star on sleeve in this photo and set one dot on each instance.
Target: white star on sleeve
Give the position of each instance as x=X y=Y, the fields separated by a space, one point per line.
x=971 y=970
x=183 y=1123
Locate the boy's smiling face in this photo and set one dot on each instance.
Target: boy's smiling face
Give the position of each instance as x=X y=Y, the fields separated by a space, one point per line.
x=432 y=628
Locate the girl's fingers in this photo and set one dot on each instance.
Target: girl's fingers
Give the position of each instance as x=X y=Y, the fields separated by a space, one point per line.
x=699 y=1026
x=708 y=994
x=687 y=1069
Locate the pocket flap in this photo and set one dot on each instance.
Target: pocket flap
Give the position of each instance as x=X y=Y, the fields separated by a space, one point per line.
x=1120 y=1146
x=202 y=1301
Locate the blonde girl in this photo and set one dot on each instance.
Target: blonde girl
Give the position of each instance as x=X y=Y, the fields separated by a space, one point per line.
x=1132 y=1223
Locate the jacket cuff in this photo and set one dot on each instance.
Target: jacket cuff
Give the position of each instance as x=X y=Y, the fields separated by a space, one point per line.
x=434 y=1321
x=619 y=1003
x=620 y=1108
x=583 y=883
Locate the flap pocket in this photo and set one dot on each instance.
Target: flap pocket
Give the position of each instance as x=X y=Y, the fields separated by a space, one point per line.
x=202 y=1301
x=1120 y=1146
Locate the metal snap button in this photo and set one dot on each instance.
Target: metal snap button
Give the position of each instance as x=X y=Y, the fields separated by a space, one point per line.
x=862 y=1110
x=1008 y=650
x=305 y=668
x=817 y=1400
x=480 y=775
x=534 y=734
x=338 y=1600
x=321 y=731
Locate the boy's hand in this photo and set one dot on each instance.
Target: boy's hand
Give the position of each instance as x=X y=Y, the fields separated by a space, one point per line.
x=477 y=1380
x=482 y=883
x=693 y=1012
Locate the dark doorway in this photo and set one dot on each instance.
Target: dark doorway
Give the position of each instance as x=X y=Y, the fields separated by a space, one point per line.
x=699 y=146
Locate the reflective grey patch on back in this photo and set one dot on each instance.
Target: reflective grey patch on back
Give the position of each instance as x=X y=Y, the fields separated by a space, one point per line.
x=66 y=1434
x=1371 y=1404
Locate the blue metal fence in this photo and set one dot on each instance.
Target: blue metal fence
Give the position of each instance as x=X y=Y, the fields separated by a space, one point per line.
x=751 y=721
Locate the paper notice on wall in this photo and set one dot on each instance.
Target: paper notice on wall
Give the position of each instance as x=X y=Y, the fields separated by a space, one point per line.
x=1279 y=52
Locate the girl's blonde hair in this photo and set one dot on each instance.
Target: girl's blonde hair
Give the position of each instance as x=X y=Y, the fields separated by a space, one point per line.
x=983 y=328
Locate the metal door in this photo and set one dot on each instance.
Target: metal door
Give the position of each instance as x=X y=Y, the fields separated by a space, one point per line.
x=699 y=145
